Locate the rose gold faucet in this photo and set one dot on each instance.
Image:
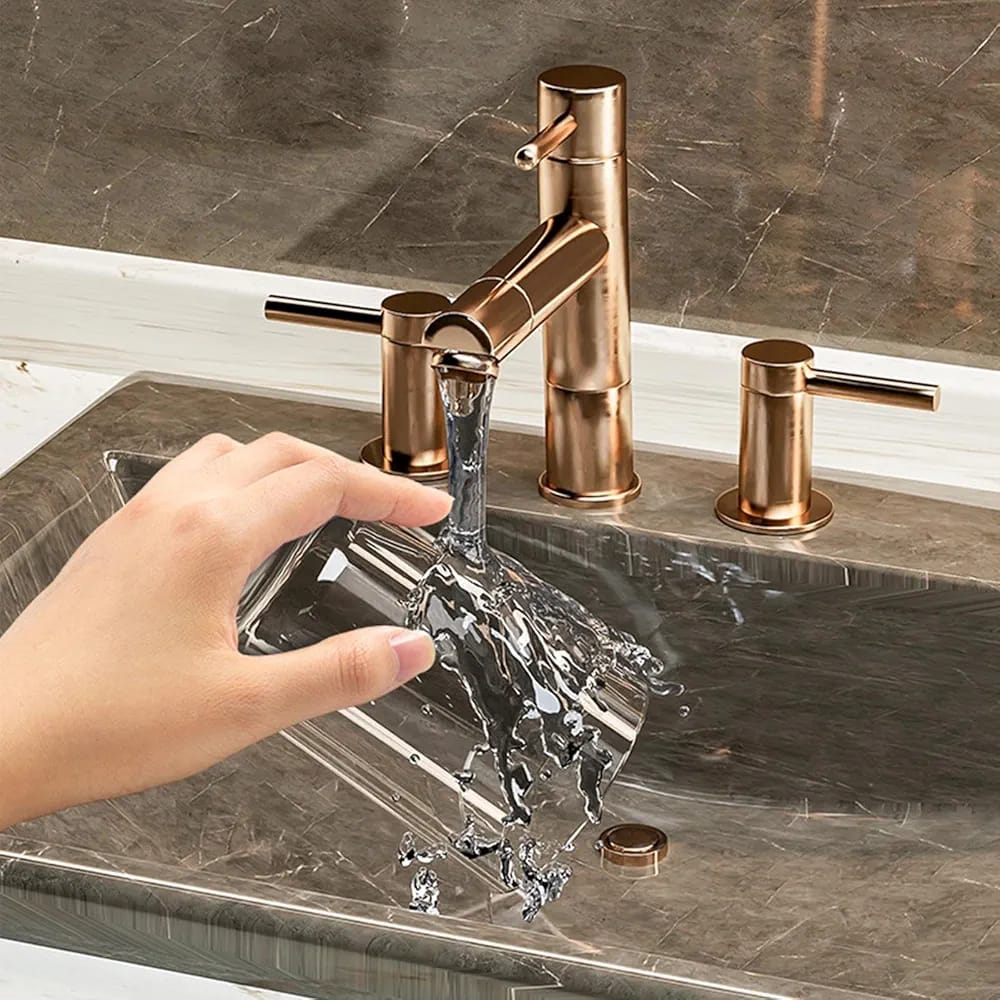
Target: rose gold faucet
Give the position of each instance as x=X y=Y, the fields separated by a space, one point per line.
x=570 y=276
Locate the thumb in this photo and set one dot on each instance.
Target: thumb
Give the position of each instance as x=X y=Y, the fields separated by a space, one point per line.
x=345 y=670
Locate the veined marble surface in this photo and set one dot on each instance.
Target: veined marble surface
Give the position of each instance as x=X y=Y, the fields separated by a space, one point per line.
x=830 y=797
x=828 y=167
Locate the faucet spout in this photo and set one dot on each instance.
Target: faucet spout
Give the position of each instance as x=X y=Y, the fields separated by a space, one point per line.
x=522 y=290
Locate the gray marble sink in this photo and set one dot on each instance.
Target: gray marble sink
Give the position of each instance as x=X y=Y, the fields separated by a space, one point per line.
x=829 y=781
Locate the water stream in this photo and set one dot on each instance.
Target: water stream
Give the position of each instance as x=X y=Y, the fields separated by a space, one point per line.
x=532 y=660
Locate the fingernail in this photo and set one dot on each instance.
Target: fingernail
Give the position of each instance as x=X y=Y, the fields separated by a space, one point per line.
x=414 y=654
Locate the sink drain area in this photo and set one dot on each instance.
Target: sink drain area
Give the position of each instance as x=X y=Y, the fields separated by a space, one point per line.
x=633 y=850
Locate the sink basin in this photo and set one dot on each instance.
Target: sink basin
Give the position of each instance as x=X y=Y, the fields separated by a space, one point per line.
x=828 y=781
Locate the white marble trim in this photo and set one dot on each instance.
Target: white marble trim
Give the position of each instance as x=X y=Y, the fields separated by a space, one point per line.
x=118 y=314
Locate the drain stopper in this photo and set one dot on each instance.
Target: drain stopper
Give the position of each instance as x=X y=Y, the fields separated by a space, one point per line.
x=633 y=849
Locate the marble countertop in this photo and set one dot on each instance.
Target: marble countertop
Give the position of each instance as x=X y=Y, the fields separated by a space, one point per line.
x=806 y=885
x=823 y=167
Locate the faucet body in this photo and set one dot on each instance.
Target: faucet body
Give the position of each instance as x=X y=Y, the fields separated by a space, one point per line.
x=570 y=276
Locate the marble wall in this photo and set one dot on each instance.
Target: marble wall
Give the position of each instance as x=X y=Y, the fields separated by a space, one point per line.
x=823 y=167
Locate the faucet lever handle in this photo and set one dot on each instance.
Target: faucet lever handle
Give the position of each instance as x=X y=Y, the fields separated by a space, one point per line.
x=873 y=389
x=333 y=315
x=545 y=142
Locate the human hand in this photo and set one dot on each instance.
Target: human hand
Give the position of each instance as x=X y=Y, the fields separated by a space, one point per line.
x=124 y=673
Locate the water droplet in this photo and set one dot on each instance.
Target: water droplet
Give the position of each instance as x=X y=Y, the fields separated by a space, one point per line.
x=684 y=711
x=472 y=845
x=407 y=851
x=508 y=868
x=426 y=709
x=414 y=758
x=539 y=884
x=424 y=891
x=664 y=688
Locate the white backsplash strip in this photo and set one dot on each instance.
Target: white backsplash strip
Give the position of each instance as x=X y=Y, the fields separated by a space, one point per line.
x=119 y=314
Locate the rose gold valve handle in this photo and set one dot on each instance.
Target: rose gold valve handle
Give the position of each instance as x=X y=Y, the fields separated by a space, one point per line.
x=868 y=389
x=548 y=140
x=332 y=315
x=775 y=494
x=413 y=435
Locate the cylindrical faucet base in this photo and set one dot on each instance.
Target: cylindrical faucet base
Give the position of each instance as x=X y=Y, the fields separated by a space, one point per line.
x=588 y=448
x=775 y=455
x=413 y=435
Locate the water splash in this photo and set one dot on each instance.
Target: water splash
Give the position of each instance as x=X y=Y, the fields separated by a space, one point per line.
x=519 y=868
x=532 y=660
x=425 y=891
x=540 y=884
x=527 y=654
x=410 y=853
x=471 y=844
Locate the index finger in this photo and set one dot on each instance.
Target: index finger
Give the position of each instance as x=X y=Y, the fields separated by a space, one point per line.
x=295 y=500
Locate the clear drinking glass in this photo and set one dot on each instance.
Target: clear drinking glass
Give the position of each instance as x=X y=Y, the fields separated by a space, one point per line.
x=352 y=574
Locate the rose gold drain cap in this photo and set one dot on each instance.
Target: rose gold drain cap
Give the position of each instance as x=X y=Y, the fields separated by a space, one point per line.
x=633 y=849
